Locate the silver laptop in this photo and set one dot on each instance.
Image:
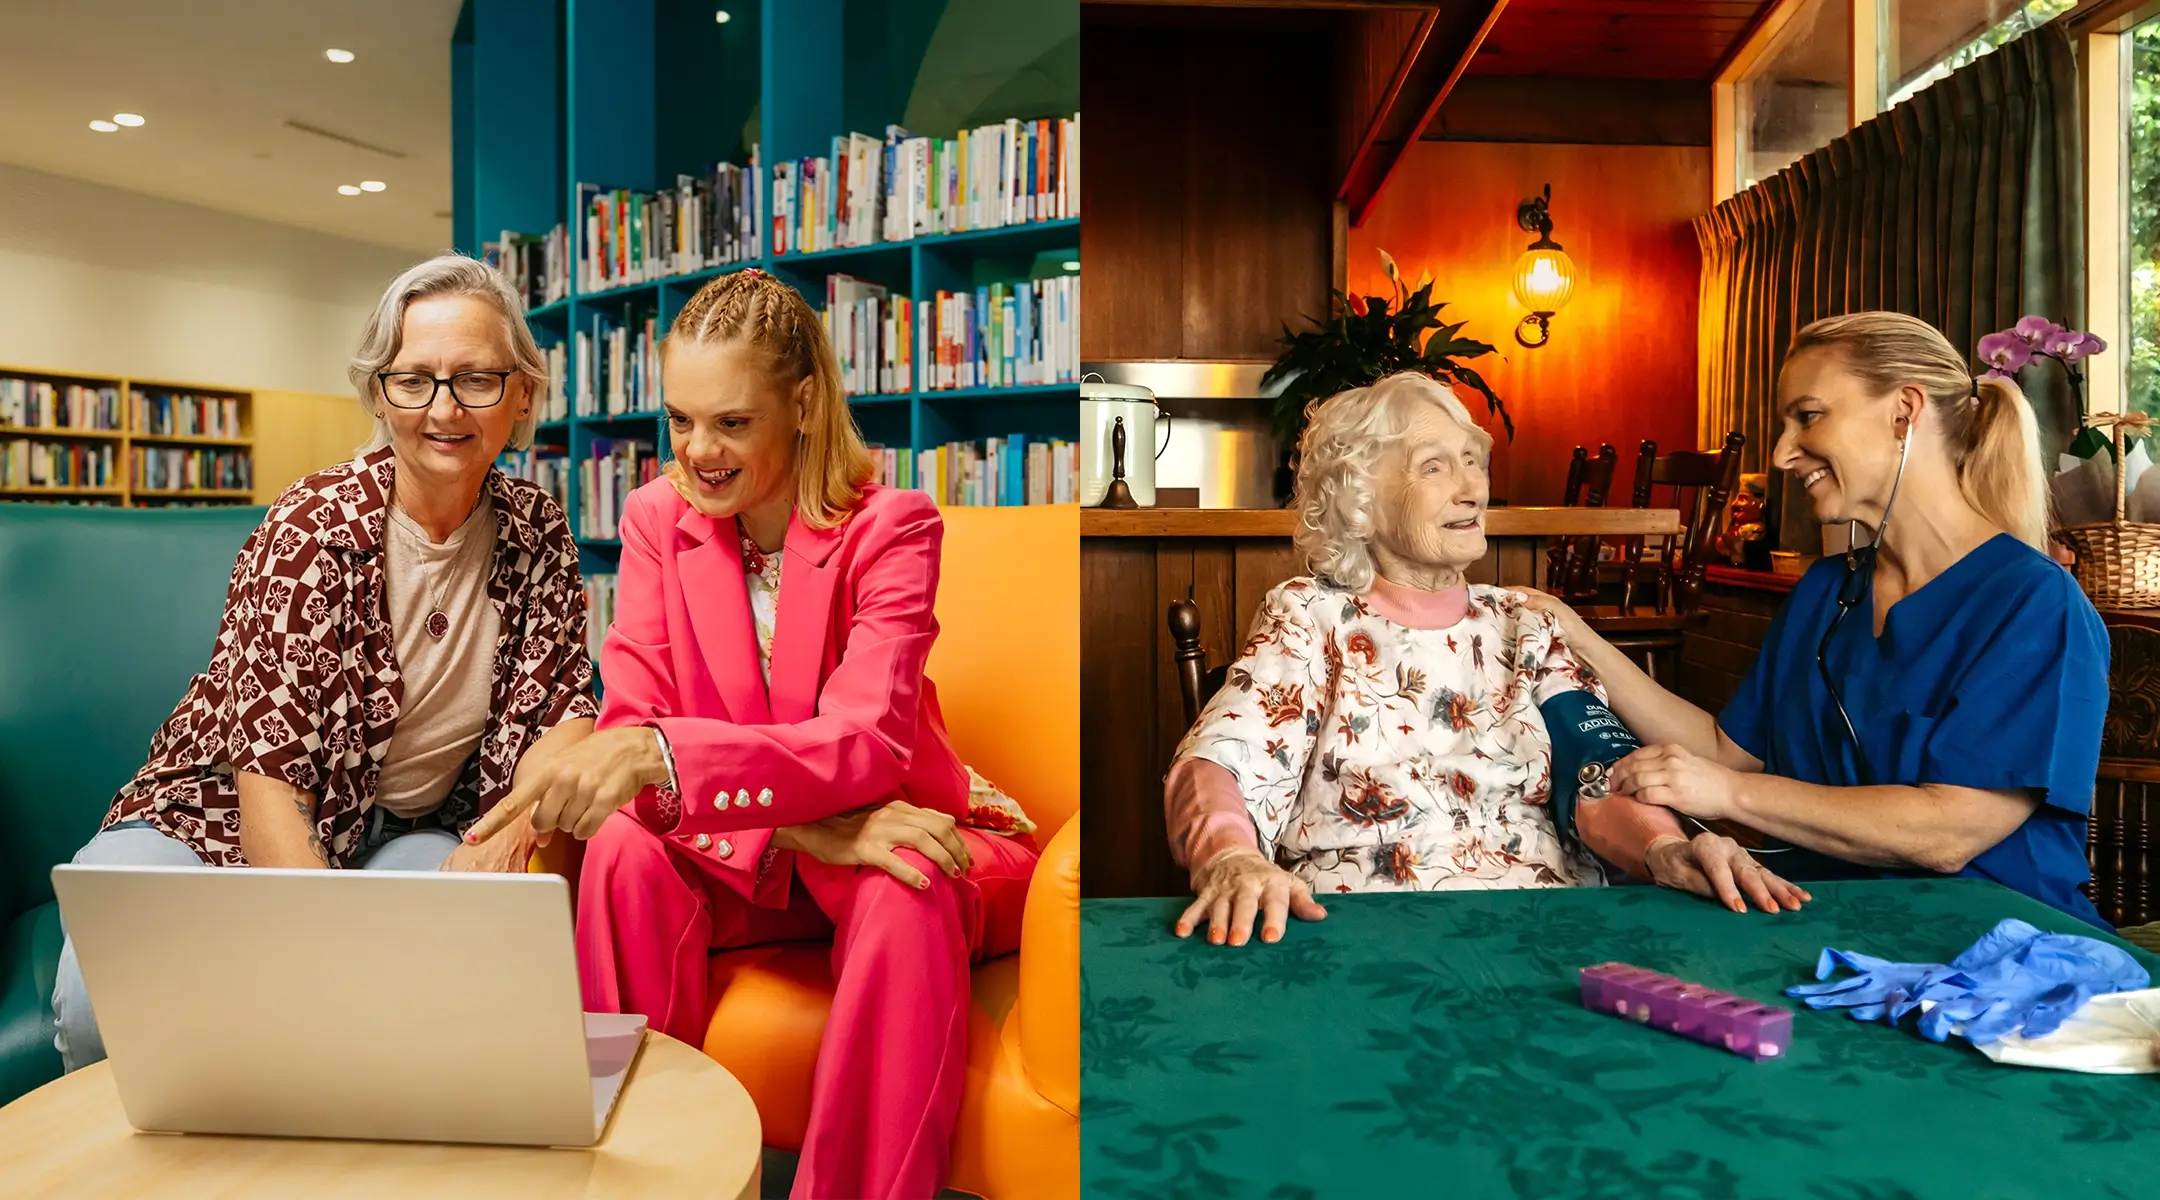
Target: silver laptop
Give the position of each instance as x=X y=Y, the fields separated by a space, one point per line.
x=404 y=1006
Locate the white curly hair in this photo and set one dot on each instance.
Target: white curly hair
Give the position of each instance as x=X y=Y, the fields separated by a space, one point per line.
x=1347 y=436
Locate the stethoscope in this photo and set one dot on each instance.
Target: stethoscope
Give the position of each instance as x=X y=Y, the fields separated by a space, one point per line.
x=1855 y=587
x=1859 y=573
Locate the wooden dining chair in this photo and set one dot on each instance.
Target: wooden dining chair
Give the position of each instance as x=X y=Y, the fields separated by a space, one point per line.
x=1197 y=682
x=2126 y=798
x=1700 y=484
x=1572 y=570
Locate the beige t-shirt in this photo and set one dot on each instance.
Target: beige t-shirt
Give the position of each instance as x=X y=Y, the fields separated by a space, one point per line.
x=448 y=680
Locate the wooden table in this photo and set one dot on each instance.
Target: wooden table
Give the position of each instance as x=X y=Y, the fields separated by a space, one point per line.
x=682 y=1127
x=1133 y=564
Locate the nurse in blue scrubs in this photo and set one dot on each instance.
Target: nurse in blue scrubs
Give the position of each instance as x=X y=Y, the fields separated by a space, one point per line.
x=1930 y=704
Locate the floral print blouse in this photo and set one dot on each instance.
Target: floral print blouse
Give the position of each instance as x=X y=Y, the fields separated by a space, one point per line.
x=303 y=684
x=1376 y=757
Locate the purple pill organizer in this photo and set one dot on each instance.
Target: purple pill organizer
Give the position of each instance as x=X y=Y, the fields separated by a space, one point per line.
x=1691 y=1010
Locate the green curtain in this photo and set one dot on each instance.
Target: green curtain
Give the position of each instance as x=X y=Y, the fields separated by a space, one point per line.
x=1963 y=206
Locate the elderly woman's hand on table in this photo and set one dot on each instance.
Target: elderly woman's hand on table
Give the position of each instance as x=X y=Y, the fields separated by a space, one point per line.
x=1235 y=886
x=1718 y=868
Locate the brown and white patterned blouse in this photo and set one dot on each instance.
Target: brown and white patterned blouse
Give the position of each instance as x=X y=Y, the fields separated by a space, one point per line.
x=303 y=685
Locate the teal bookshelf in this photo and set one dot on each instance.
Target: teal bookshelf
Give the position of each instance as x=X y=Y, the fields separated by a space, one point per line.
x=551 y=94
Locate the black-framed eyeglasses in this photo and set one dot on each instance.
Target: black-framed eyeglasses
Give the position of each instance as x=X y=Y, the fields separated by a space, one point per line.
x=418 y=389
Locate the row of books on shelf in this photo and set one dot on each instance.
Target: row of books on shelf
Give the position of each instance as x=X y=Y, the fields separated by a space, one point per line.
x=168 y=469
x=995 y=472
x=999 y=335
x=177 y=414
x=706 y=221
x=868 y=190
x=599 y=611
x=864 y=191
x=27 y=463
x=36 y=404
x=537 y=264
x=615 y=468
x=618 y=368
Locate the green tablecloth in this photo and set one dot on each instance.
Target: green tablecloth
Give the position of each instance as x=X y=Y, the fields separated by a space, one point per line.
x=1432 y=1045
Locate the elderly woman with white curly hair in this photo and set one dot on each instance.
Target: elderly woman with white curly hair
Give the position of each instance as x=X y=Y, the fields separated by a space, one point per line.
x=403 y=638
x=1382 y=730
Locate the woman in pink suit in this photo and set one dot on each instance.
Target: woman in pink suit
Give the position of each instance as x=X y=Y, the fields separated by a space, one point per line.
x=770 y=762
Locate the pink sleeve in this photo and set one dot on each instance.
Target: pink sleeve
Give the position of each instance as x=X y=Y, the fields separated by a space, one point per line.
x=1204 y=813
x=858 y=748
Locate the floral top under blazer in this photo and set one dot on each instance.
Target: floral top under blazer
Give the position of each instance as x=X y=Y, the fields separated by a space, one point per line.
x=1375 y=757
x=303 y=684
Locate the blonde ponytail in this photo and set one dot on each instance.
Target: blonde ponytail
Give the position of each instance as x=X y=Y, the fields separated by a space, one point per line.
x=1989 y=427
x=1999 y=470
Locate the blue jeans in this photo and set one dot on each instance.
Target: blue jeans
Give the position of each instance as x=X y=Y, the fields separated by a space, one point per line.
x=138 y=844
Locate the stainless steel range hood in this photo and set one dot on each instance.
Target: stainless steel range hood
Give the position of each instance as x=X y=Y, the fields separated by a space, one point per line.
x=1221 y=445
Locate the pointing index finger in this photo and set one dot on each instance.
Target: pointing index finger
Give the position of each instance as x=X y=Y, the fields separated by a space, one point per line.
x=498 y=818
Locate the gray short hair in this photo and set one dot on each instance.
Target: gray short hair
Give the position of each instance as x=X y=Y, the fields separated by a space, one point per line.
x=446 y=275
x=1346 y=437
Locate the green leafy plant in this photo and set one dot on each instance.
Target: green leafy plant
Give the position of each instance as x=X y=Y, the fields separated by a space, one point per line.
x=1369 y=339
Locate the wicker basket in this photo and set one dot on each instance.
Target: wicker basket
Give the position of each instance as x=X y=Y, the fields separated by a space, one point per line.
x=2118 y=561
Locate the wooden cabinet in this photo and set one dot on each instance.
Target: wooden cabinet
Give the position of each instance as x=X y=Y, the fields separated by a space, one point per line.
x=1208 y=190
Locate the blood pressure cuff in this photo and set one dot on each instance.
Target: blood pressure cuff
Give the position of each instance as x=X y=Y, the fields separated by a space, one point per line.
x=1583 y=731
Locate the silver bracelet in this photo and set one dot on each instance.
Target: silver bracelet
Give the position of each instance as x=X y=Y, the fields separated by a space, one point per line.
x=667 y=755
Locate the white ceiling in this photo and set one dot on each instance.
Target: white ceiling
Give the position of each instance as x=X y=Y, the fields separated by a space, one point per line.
x=216 y=81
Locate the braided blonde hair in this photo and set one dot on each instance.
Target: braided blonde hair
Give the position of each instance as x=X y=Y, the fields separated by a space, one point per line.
x=756 y=309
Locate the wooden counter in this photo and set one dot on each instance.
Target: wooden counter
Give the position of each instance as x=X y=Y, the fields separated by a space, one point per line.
x=1134 y=563
x=1282 y=522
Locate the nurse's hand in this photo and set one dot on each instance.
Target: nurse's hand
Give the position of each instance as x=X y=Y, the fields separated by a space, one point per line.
x=1236 y=886
x=1674 y=777
x=1718 y=868
x=1571 y=622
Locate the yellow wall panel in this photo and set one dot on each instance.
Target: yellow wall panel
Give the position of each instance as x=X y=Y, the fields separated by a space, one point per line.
x=300 y=433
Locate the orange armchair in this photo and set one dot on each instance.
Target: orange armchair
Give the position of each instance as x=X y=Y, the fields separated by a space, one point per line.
x=1007 y=667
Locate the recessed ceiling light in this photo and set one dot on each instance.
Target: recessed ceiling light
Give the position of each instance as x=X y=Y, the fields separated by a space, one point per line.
x=104 y=127
x=721 y=17
x=128 y=119
x=372 y=185
x=1072 y=264
x=346 y=189
x=338 y=56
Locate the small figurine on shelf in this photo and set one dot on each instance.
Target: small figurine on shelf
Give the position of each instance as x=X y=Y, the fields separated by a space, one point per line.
x=1744 y=519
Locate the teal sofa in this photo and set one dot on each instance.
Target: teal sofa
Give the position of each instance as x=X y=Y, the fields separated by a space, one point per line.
x=105 y=614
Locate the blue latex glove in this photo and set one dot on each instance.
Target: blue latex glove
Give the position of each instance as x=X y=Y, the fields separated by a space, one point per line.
x=1876 y=989
x=2015 y=979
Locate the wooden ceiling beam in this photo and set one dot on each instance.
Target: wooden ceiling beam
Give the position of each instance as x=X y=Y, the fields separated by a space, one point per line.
x=1441 y=49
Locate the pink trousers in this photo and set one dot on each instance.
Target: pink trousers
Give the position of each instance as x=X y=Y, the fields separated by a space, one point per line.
x=894 y=1058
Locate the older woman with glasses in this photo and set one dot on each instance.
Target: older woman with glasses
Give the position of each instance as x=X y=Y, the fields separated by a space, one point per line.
x=403 y=640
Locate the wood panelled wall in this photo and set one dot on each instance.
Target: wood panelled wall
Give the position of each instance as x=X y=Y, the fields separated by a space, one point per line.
x=1208 y=188
x=1621 y=363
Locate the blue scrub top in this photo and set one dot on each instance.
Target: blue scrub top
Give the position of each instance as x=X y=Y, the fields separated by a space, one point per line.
x=1994 y=675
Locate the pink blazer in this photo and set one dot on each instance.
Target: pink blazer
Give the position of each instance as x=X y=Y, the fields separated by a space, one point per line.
x=849 y=720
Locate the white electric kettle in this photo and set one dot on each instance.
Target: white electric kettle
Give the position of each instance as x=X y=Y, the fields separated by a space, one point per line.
x=1101 y=405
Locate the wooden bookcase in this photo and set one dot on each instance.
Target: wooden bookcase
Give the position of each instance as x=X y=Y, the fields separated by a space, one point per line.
x=134 y=434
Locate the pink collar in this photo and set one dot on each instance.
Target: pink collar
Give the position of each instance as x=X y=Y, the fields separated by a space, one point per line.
x=1417 y=609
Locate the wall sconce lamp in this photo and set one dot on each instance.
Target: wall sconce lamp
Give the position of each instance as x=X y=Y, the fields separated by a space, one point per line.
x=1544 y=275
